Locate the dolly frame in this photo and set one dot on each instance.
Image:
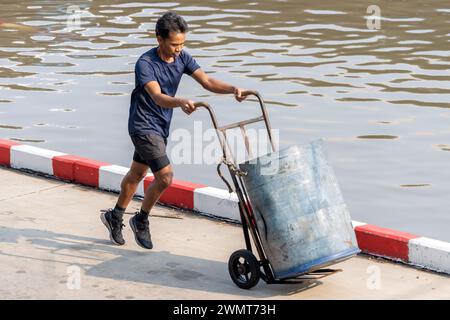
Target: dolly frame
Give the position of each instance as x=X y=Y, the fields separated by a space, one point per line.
x=248 y=221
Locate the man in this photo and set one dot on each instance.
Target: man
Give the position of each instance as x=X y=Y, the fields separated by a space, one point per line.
x=157 y=74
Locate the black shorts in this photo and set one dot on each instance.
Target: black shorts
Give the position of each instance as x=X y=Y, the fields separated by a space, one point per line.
x=151 y=151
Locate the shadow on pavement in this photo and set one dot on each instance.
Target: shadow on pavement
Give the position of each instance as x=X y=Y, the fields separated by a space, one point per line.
x=159 y=268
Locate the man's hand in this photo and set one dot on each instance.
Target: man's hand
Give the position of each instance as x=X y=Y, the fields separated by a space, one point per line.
x=240 y=94
x=187 y=106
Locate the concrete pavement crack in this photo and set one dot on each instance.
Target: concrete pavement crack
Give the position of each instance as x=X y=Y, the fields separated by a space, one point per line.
x=27 y=194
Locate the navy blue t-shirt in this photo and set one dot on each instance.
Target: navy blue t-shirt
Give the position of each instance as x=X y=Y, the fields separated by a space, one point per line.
x=145 y=115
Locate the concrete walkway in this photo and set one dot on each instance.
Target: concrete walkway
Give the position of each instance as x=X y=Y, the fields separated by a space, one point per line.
x=50 y=232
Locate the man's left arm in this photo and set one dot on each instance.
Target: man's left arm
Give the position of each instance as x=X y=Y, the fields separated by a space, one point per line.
x=217 y=86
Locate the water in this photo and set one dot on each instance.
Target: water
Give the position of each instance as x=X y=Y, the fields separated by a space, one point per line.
x=379 y=98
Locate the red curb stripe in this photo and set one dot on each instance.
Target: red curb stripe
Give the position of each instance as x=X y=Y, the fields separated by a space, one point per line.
x=87 y=171
x=81 y=170
x=384 y=242
x=63 y=167
x=180 y=193
x=5 y=151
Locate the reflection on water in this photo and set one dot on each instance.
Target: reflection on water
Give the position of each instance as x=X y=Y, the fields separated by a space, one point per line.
x=379 y=98
x=379 y=136
x=27 y=140
x=414 y=185
x=9 y=127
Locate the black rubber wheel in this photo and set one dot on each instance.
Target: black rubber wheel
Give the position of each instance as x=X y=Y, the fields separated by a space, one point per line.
x=244 y=269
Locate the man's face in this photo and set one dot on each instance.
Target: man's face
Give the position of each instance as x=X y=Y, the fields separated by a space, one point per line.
x=173 y=45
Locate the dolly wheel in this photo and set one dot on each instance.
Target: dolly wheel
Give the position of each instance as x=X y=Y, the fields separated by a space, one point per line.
x=244 y=269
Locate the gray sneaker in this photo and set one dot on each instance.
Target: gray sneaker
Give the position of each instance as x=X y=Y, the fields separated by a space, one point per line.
x=114 y=226
x=141 y=232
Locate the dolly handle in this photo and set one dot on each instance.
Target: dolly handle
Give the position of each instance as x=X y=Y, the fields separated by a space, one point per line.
x=210 y=110
x=206 y=105
x=202 y=104
x=264 y=114
x=250 y=92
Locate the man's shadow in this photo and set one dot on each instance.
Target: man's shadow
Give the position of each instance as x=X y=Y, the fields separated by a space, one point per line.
x=154 y=267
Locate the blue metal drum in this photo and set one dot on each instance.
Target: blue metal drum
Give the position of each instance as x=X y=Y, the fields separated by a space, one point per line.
x=299 y=210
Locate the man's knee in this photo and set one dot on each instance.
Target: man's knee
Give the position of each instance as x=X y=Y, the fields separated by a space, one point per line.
x=136 y=176
x=165 y=180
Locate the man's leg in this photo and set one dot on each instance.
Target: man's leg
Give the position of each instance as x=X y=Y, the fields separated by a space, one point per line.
x=113 y=218
x=139 y=223
x=130 y=182
x=162 y=180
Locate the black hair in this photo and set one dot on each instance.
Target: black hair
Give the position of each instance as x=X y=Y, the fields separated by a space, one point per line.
x=170 y=21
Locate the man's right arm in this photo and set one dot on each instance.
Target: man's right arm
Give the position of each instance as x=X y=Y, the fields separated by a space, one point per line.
x=165 y=101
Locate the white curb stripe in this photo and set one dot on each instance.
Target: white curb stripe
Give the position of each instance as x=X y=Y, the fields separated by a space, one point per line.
x=218 y=202
x=33 y=158
x=110 y=178
x=430 y=253
x=357 y=224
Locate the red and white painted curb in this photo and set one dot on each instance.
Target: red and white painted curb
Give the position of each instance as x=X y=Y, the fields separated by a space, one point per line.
x=400 y=246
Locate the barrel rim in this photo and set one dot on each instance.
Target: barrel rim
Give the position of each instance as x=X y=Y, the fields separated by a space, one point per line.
x=317 y=264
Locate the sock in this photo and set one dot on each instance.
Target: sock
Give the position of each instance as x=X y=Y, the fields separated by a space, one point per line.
x=118 y=212
x=142 y=215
